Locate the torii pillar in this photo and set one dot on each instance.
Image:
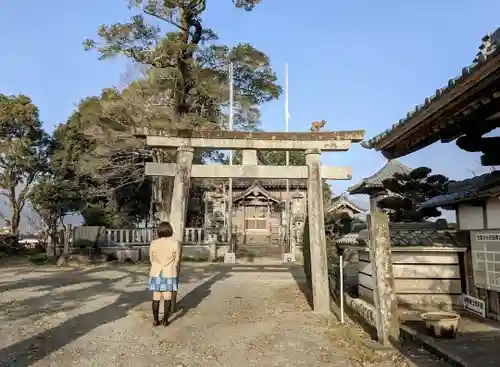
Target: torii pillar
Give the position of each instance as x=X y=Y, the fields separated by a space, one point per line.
x=180 y=194
x=317 y=237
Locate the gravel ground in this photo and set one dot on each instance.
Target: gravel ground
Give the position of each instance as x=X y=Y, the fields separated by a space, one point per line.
x=245 y=315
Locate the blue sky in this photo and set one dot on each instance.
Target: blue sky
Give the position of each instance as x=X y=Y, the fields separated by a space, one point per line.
x=359 y=64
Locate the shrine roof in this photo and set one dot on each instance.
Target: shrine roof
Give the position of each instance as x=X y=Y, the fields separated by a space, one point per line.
x=458 y=99
x=254 y=189
x=479 y=187
x=375 y=181
x=340 y=200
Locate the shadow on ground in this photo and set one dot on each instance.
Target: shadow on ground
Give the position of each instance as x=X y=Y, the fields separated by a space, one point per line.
x=301 y=280
x=130 y=294
x=128 y=286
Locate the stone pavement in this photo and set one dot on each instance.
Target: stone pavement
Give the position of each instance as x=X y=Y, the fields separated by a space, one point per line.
x=243 y=315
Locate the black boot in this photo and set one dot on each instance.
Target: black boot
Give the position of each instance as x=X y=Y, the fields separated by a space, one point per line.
x=156 y=313
x=167 y=307
x=174 y=302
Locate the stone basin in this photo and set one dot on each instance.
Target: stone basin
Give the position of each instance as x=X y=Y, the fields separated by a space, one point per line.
x=441 y=324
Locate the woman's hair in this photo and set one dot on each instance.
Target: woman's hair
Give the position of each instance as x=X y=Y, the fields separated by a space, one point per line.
x=165 y=230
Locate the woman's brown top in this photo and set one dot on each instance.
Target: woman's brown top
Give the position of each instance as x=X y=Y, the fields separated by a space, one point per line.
x=164 y=255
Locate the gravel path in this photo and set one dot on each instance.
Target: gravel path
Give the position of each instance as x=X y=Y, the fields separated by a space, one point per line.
x=241 y=316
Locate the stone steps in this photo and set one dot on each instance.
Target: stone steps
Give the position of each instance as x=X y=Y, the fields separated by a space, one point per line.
x=258 y=251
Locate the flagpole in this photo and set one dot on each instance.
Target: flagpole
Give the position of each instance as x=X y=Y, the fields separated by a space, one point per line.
x=287 y=163
x=230 y=189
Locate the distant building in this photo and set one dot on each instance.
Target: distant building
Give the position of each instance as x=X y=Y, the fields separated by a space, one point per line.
x=342 y=204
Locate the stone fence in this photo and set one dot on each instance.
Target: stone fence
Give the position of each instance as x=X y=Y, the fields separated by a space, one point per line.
x=198 y=243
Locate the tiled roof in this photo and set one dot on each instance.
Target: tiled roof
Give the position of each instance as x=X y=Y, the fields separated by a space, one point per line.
x=427 y=238
x=407 y=238
x=375 y=181
x=340 y=200
x=472 y=188
x=348 y=239
x=489 y=48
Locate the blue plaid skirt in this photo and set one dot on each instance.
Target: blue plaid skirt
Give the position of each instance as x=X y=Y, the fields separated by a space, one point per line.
x=163 y=284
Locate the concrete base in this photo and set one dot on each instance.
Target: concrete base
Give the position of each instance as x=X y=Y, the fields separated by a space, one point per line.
x=128 y=254
x=189 y=252
x=298 y=255
x=230 y=258
x=288 y=258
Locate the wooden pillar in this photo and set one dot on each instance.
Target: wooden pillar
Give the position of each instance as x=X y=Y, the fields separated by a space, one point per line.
x=384 y=294
x=180 y=193
x=317 y=239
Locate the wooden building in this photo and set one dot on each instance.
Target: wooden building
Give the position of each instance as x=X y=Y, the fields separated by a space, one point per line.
x=464 y=111
x=474 y=200
x=342 y=204
x=259 y=216
x=426 y=265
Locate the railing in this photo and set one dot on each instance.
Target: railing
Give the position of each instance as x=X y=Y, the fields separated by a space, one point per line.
x=143 y=236
x=195 y=236
x=140 y=236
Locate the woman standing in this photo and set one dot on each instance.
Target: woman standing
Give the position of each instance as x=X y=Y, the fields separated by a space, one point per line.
x=164 y=254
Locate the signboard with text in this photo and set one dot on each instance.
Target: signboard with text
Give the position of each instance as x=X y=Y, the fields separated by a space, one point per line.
x=474 y=305
x=485 y=246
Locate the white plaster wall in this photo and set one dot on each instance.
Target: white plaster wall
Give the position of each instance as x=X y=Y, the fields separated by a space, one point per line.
x=470 y=217
x=493 y=213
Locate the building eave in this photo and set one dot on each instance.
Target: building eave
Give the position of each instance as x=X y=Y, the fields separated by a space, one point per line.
x=256 y=188
x=374 y=182
x=473 y=189
x=483 y=72
x=342 y=200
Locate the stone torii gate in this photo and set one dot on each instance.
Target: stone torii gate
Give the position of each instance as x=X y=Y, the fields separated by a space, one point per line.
x=313 y=143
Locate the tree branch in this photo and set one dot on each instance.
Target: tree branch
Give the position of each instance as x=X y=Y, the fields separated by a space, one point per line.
x=157 y=16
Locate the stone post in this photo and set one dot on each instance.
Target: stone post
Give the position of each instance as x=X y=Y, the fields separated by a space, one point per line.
x=180 y=193
x=179 y=201
x=384 y=294
x=374 y=198
x=317 y=239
